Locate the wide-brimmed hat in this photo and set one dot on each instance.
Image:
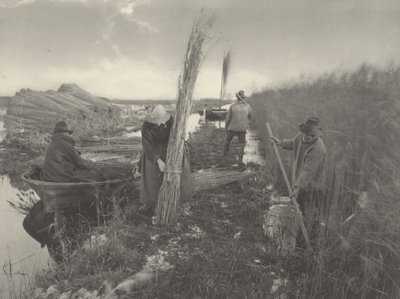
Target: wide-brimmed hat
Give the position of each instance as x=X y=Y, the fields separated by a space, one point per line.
x=157 y=115
x=62 y=126
x=311 y=126
x=240 y=95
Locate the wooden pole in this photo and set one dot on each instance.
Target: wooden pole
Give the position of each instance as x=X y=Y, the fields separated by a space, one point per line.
x=169 y=194
x=289 y=186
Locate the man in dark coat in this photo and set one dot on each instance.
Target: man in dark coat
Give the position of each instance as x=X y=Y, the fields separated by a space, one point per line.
x=155 y=135
x=63 y=163
x=237 y=123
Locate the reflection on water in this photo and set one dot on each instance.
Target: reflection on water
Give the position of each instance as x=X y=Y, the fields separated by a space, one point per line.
x=252 y=151
x=3 y=111
x=19 y=253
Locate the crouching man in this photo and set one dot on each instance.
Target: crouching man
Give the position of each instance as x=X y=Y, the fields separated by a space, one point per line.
x=63 y=163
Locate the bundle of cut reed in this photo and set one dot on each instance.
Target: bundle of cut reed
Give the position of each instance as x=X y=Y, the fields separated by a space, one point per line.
x=212 y=178
x=36 y=111
x=110 y=141
x=24 y=202
x=115 y=169
x=115 y=148
x=168 y=198
x=209 y=179
x=111 y=166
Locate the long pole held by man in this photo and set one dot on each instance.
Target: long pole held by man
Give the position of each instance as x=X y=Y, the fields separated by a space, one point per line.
x=288 y=185
x=307 y=188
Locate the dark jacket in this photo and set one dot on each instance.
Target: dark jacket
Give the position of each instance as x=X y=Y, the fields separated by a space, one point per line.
x=155 y=140
x=155 y=143
x=62 y=161
x=308 y=169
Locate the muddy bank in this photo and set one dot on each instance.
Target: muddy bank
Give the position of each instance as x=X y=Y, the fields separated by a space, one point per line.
x=217 y=249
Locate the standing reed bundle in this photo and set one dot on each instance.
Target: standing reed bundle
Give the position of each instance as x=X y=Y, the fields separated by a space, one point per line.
x=168 y=197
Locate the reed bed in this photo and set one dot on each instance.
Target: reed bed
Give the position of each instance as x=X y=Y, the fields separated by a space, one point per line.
x=357 y=253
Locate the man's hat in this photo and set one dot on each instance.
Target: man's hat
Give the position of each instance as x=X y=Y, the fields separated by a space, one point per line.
x=311 y=126
x=240 y=95
x=62 y=126
x=157 y=115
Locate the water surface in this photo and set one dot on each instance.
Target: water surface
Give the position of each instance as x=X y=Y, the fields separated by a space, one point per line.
x=20 y=255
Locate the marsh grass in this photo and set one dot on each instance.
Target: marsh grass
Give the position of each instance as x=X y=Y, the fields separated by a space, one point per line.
x=357 y=253
x=213 y=248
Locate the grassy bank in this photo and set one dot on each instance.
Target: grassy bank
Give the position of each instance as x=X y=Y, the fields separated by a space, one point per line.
x=217 y=250
x=357 y=253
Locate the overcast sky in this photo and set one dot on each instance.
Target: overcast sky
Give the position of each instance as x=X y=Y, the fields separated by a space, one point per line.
x=133 y=48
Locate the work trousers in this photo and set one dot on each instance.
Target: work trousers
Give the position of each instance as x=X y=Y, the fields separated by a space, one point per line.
x=312 y=203
x=241 y=135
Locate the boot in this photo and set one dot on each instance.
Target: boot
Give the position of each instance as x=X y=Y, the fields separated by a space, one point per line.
x=146 y=210
x=241 y=152
x=226 y=148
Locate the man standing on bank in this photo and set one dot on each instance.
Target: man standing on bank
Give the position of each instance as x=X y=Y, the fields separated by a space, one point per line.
x=308 y=170
x=237 y=123
x=156 y=130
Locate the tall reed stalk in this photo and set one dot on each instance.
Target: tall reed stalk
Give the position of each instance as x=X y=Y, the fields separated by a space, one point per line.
x=168 y=198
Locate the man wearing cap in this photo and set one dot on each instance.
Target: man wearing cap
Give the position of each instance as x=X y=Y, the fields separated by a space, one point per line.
x=62 y=162
x=308 y=170
x=237 y=123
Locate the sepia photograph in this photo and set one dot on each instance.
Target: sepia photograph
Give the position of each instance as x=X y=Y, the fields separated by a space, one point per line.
x=199 y=149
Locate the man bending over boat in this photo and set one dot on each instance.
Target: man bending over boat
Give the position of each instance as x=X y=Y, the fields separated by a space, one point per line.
x=63 y=163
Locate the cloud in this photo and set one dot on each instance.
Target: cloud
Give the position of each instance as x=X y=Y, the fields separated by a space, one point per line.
x=45 y=42
x=14 y=3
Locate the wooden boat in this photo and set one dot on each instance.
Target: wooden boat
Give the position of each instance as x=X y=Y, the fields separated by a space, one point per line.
x=214 y=113
x=60 y=196
x=65 y=208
